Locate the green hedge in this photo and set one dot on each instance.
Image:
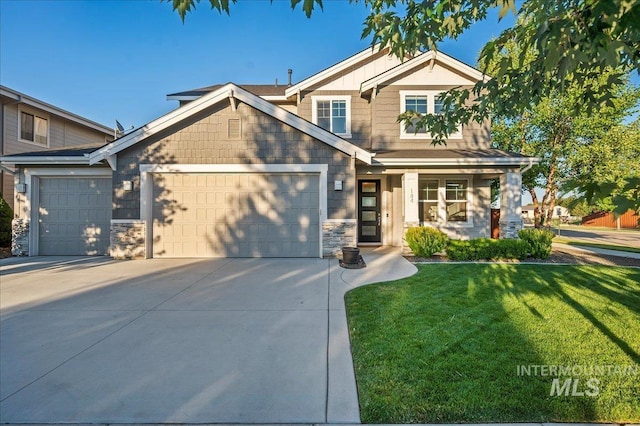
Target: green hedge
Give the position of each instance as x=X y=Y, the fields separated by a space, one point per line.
x=487 y=249
x=5 y=223
x=538 y=240
x=425 y=241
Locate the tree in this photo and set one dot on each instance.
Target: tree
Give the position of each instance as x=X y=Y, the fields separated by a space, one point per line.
x=572 y=147
x=572 y=42
x=607 y=171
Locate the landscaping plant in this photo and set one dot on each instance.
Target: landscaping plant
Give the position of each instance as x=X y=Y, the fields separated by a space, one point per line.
x=5 y=223
x=487 y=249
x=539 y=242
x=425 y=241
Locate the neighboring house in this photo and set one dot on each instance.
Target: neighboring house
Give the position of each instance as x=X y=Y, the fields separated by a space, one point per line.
x=298 y=170
x=558 y=212
x=31 y=125
x=48 y=136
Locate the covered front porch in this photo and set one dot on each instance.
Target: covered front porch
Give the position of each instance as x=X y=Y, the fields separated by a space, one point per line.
x=447 y=189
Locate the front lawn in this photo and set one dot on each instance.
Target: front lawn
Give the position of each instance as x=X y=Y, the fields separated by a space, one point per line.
x=479 y=342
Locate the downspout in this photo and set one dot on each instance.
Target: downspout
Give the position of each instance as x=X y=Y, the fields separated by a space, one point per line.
x=532 y=161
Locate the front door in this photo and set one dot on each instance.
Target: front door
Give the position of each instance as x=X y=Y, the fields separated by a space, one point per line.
x=369 y=211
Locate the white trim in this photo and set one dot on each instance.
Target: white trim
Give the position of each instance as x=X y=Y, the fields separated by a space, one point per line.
x=134 y=221
x=430 y=95
x=146 y=186
x=469 y=203
x=36 y=114
x=35 y=103
x=341 y=221
x=340 y=66
x=220 y=95
x=346 y=99
x=46 y=159
x=417 y=61
x=489 y=161
x=32 y=196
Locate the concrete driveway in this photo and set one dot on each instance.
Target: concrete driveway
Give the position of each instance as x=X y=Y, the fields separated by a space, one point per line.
x=91 y=340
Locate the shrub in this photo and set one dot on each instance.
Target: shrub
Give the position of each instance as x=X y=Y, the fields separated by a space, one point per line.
x=5 y=223
x=539 y=242
x=487 y=249
x=425 y=241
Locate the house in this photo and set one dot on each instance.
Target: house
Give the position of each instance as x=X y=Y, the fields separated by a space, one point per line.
x=293 y=171
x=31 y=125
x=528 y=213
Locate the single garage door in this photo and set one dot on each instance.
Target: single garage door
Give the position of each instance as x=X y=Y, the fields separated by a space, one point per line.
x=74 y=216
x=236 y=215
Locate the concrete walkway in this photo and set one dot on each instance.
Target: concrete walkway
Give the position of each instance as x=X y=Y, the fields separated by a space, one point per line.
x=91 y=340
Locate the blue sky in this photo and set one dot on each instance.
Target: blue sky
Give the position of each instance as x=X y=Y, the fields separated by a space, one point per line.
x=108 y=60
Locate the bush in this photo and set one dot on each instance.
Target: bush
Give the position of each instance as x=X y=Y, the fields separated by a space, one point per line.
x=539 y=242
x=5 y=223
x=425 y=241
x=487 y=249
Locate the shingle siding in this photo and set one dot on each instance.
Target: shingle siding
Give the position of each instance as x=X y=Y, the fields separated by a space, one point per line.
x=204 y=140
x=386 y=130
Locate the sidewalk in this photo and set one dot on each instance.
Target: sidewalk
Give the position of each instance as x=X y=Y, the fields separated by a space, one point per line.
x=595 y=250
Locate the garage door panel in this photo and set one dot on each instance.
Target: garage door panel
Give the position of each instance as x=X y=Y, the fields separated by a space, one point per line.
x=238 y=215
x=74 y=216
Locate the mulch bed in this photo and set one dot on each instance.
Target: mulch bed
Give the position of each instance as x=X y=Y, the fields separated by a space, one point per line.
x=559 y=255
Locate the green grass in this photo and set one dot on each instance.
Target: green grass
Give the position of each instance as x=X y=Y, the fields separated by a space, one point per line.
x=445 y=344
x=564 y=240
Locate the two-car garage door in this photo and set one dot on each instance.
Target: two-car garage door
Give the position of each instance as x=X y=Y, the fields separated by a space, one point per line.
x=236 y=215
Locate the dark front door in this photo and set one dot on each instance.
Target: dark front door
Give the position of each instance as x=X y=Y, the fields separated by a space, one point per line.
x=369 y=211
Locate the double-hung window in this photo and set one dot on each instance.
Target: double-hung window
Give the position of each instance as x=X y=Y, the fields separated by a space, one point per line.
x=332 y=113
x=422 y=102
x=428 y=200
x=33 y=127
x=457 y=200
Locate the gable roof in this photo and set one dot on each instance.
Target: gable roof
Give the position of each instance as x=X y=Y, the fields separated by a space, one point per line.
x=334 y=69
x=266 y=91
x=226 y=92
x=21 y=98
x=418 y=61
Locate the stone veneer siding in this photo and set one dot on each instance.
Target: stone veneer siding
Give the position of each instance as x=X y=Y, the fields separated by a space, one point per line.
x=510 y=229
x=20 y=237
x=338 y=234
x=127 y=240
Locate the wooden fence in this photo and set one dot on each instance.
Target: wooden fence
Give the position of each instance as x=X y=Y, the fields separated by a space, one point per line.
x=608 y=220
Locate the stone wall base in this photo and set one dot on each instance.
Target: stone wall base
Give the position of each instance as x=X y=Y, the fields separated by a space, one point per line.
x=338 y=234
x=20 y=237
x=127 y=240
x=510 y=228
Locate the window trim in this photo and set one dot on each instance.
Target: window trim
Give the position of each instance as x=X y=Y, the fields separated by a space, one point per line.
x=431 y=96
x=437 y=200
x=468 y=201
x=442 y=221
x=35 y=113
x=346 y=98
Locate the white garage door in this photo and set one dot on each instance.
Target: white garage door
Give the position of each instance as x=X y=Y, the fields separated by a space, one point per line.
x=74 y=216
x=236 y=215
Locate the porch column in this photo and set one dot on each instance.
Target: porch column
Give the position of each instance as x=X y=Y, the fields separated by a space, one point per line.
x=410 y=188
x=410 y=201
x=510 y=204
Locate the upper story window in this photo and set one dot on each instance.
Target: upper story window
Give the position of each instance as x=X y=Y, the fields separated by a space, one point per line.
x=423 y=102
x=33 y=127
x=332 y=113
